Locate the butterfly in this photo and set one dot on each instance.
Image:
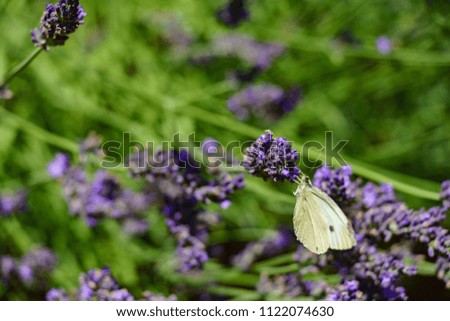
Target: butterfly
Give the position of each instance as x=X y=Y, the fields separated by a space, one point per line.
x=319 y=223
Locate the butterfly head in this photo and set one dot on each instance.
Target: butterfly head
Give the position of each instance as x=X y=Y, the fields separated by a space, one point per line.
x=303 y=182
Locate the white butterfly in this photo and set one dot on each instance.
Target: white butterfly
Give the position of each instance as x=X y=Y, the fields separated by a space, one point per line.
x=319 y=223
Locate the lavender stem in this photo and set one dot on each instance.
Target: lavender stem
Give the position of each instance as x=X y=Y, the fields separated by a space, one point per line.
x=21 y=66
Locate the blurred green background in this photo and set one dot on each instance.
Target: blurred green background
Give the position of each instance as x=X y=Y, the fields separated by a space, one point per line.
x=116 y=74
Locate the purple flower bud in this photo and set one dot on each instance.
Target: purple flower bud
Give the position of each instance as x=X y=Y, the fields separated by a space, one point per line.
x=182 y=189
x=25 y=274
x=135 y=226
x=347 y=291
x=272 y=158
x=384 y=45
x=7 y=266
x=445 y=194
x=257 y=55
x=233 y=13
x=290 y=285
x=13 y=203
x=100 y=285
x=265 y=101
x=56 y=295
x=104 y=197
x=57 y=23
x=336 y=183
x=59 y=166
x=32 y=270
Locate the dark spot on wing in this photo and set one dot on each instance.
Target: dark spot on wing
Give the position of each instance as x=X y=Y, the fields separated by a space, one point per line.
x=331 y=228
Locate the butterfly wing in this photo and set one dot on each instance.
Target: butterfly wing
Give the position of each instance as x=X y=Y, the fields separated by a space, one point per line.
x=310 y=226
x=341 y=234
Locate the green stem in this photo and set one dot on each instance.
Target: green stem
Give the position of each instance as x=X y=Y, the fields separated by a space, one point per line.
x=277 y=260
x=234 y=292
x=20 y=66
x=38 y=132
x=16 y=234
x=277 y=270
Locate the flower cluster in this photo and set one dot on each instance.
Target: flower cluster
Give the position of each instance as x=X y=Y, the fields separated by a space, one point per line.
x=181 y=189
x=265 y=101
x=347 y=291
x=336 y=183
x=257 y=55
x=100 y=198
x=100 y=285
x=249 y=59
x=170 y=31
x=382 y=218
x=290 y=285
x=57 y=23
x=13 y=203
x=445 y=194
x=32 y=270
x=272 y=158
x=374 y=268
x=233 y=13
x=378 y=273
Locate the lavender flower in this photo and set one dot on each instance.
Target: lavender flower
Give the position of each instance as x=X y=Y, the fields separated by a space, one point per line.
x=32 y=270
x=56 y=295
x=369 y=271
x=100 y=285
x=57 y=23
x=265 y=101
x=91 y=145
x=378 y=273
x=59 y=166
x=265 y=248
x=212 y=151
x=103 y=197
x=181 y=190
x=443 y=270
x=336 y=183
x=253 y=57
x=374 y=196
x=5 y=93
x=13 y=203
x=445 y=194
x=257 y=54
x=233 y=13
x=272 y=158
x=7 y=267
x=170 y=30
x=135 y=226
x=290 y=285
x=215 y=156
x=384 y=45
x=384 y=218
x=347 y=291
